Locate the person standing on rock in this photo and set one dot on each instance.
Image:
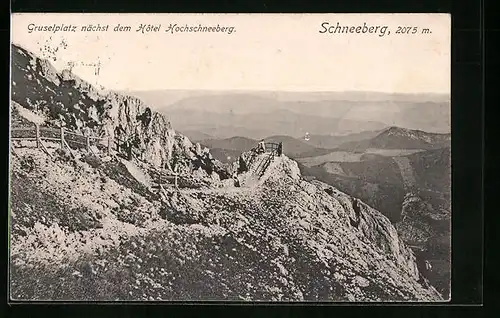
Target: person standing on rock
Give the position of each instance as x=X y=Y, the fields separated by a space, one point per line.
x=261 y=147
x=280 y=149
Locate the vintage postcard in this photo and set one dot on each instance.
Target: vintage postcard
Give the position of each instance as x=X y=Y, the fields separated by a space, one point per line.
x=230 y=157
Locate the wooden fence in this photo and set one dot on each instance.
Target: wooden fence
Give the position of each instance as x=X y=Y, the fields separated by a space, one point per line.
x=163 y=177
x=63 y=136
x=271 y=146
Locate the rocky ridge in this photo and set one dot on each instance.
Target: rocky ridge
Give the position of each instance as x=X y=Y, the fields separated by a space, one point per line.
x=63 y=99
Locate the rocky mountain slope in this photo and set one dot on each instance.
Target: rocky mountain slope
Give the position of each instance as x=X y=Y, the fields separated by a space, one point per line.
x=420 y=209
x=95 y=229
x=279 y=238
x=63 y=99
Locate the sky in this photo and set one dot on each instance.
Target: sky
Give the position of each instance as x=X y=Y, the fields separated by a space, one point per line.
x=264 y=52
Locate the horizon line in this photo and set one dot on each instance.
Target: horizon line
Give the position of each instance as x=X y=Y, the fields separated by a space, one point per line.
x=280 y=91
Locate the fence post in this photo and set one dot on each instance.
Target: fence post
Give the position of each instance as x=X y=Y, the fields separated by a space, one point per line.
x=88 y=143
x=176 y=173
x=62 y=137
x=37 y=135
x=109 y=145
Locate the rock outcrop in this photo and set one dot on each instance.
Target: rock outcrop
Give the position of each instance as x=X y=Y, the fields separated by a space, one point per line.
x=66 y=100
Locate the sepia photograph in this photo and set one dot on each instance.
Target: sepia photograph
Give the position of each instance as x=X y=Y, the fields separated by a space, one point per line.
x=230 y=157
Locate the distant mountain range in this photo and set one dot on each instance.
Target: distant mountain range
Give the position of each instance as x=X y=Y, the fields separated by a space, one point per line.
x=260 y=114
x=227 y=150
x=233 y=143
x=261 y=125
x=195 y=135
x=168 y=97
x=329 y=141
x=399 y=138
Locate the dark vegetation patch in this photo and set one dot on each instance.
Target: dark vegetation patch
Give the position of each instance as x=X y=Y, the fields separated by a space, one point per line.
x=310 y=274
x=179 y=217
x=131 y=214
x=31 y=202
x=167 y=266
